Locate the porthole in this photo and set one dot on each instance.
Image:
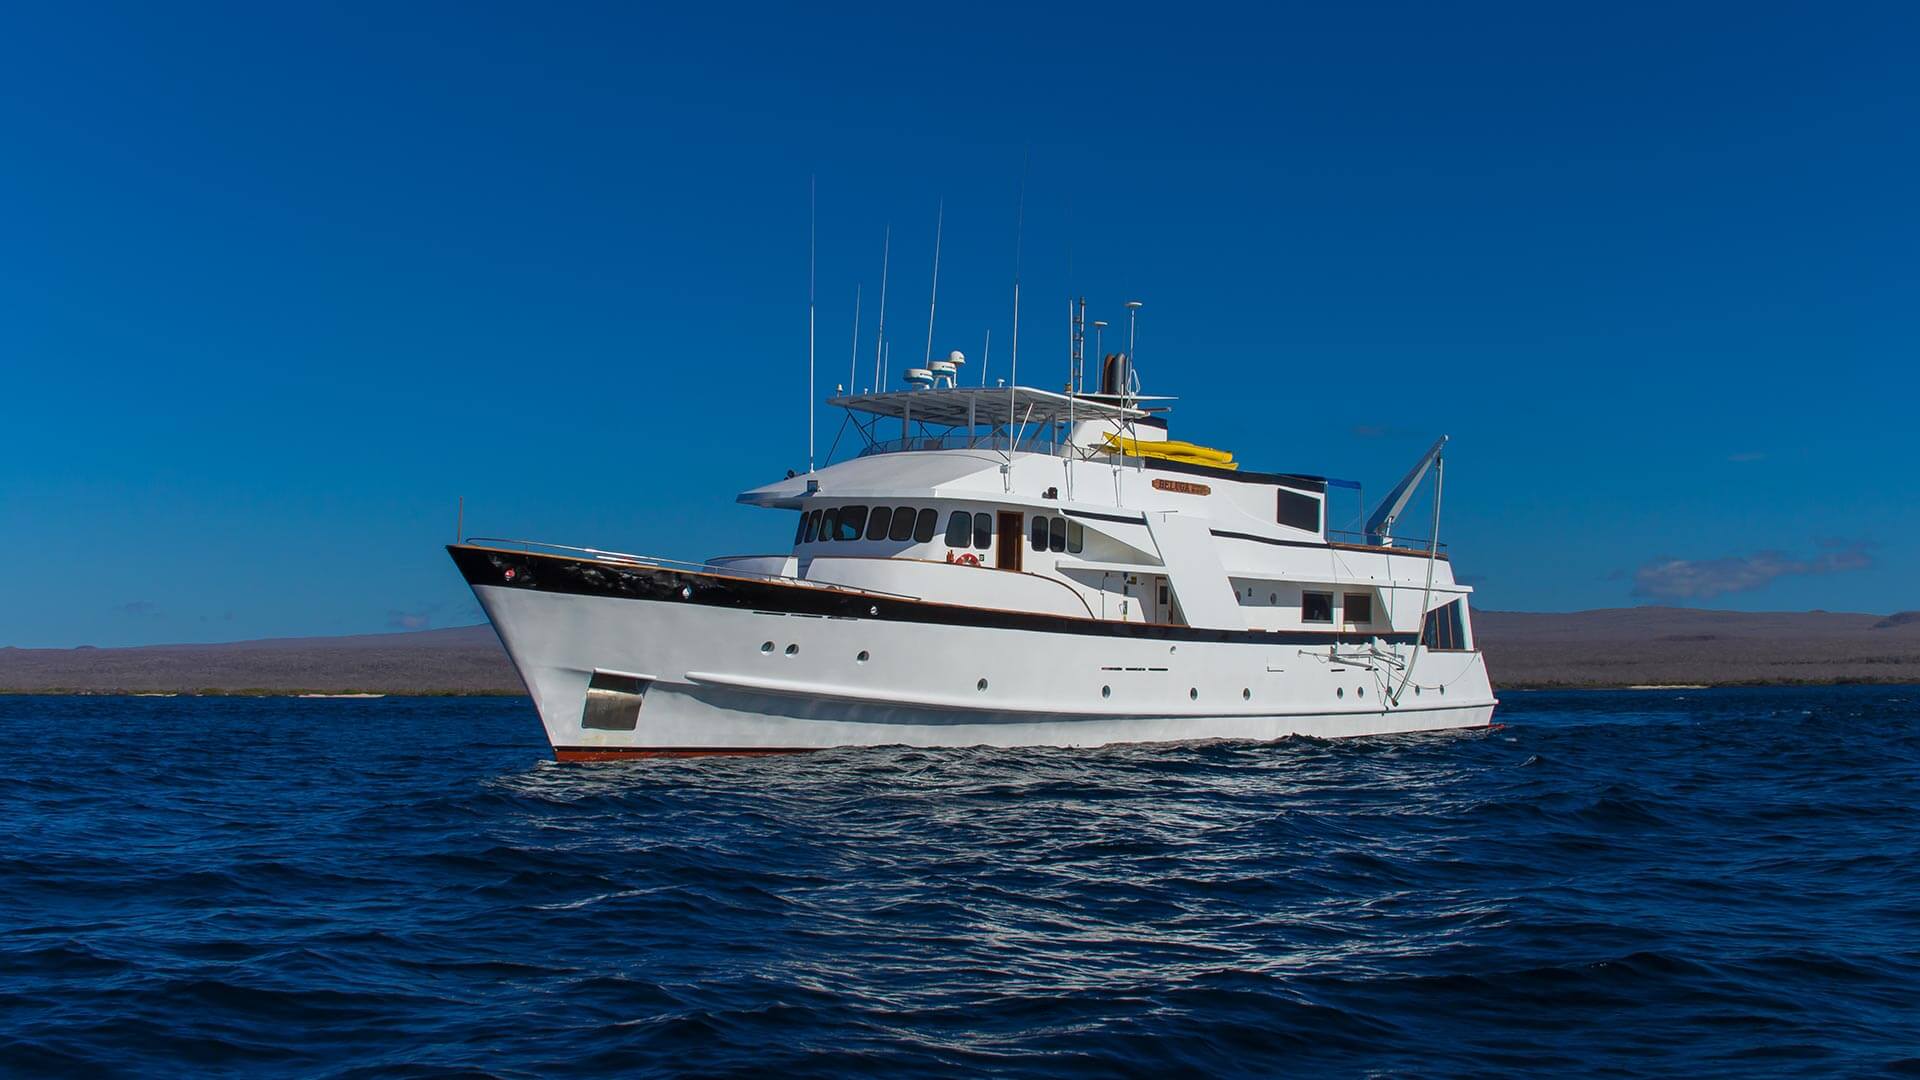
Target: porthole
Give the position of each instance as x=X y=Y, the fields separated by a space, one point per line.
x=1106 y=691
x=862 y=658
x=766 y=646
x=1273 y=598
x=1339 y=691
x=1360 y=691
x=793 y=650
x=1193 y=693
x=1443 y=691
x=981 y=685
x=1246 y=694
x=1416 y=691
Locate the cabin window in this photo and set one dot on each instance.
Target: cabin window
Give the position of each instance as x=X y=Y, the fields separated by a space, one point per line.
x=1057 y=534
x=1359 y=607
x=1039 y=533
x=813 y=526
x=926 y=525
x=829 y=523
x=800 y=529
x=1298 y=511
x=959 y=529
x=902 y=523
x=851 y=519
x=983 y=531
x=878 y=521
x=1446 y=628
x=1316 y=607
x=1076 y=538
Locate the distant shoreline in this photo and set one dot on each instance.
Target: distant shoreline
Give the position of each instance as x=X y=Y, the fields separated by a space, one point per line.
x=1659 y=649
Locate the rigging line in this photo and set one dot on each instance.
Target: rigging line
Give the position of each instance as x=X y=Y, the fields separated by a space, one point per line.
x=853 y=360
x=1019 y=234
x=886 y=249
x=1433 y=555
x=940 y=217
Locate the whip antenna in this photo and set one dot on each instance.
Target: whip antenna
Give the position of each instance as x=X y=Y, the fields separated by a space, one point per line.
x=812 y=243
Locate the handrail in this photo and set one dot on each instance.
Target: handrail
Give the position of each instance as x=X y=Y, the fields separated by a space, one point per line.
x=1397 y=543
x=536 y=546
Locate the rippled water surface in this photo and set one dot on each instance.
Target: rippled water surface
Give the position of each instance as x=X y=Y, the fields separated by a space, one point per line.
x=1633 y=882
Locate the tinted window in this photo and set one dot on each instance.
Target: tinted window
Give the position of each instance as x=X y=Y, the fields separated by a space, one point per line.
x=1076 y=537
x=813 y=526
x=851 y=518
x=1299 y=511
x=959 y=529
x=902 y=523
x=877 y=522
x=1039 y=534
x=927 y=524
x=1316 y=607
x=828 y=523
x=1359 y=607
x=983 y=531
x=1057 y=534
x=800 y=529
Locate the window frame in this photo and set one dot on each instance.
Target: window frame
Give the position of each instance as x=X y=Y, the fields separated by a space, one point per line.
x=926 y=525
x=982 y=530
x=962 y=522
x=1305 y=596
x=879 y=520
x=852 y=516
x=1299 y=501
x=901 y=514
x=1346 y=607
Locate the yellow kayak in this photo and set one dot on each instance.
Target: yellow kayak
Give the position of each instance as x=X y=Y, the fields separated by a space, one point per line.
x=1171 y=450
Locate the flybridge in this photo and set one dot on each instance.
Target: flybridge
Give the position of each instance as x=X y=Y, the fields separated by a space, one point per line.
x=974 y=406
x=1006 y=418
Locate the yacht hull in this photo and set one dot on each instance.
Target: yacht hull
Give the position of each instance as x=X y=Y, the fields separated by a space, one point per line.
x=625 y=659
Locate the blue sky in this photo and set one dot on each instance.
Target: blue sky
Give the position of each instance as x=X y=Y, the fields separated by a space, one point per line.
x=278 y=283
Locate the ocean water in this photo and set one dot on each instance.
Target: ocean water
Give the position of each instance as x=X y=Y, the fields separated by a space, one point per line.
x=1715 y=882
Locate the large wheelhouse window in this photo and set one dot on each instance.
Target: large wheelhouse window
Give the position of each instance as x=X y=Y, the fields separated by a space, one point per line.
x=828 y=523
x=926 y=525
x=983 y=531
x=1298 y=511
x=878 y=521
x=902 y=523
x=959 y=529
x=852 y=518
x=813 y=527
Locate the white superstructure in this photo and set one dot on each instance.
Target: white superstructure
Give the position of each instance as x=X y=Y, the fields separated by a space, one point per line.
x=1001 y=566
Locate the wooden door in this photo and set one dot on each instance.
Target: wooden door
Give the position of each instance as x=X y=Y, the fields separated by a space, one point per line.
x=1012 y=542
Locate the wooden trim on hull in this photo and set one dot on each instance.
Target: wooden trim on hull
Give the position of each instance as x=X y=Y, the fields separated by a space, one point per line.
x=576 y=754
